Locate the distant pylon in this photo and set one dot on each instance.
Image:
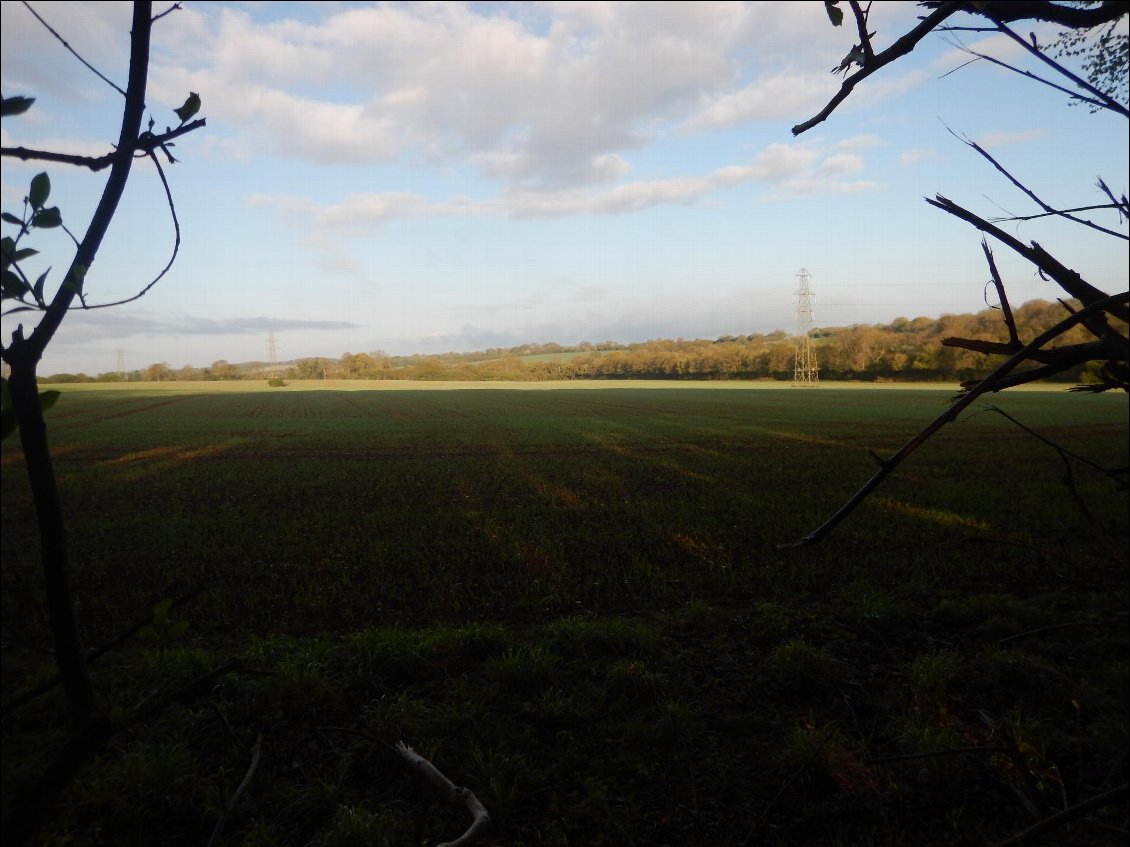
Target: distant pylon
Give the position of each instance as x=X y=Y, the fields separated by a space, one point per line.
x=805 y=371
x=121 y=363
x=272 y=354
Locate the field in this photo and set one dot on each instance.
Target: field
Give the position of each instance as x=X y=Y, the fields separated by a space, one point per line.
x=572 y=600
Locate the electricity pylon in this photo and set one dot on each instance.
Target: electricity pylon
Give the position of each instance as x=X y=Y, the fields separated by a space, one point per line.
x=805 y=371
x=272 y=355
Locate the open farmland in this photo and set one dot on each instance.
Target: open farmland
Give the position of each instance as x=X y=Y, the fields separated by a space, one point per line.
x=572 y=600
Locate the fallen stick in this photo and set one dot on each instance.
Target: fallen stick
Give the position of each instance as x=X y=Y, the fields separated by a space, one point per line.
x=450 y=793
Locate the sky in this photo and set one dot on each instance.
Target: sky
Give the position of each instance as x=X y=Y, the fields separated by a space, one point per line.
x=434 y=177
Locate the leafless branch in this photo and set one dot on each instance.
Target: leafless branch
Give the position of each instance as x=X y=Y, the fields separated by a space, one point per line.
x=1067 y=279
x=176 y=243
x=1048 y=210
x=993 y=382
x=1072 y=17
x=223 y=821
x=72 y=50
x=145 y=144
x=1006 y=309
x=173 y=8
x=1066 y=213
x=1107 y=101
x=900 y=48
x=1121 y=203
x=460 y=798
x=1067 y=815
x=1074 y=95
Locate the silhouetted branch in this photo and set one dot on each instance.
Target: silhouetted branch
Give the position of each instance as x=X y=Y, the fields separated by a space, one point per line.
x=1072 y=17
x=900 y=48
x=72 y=50
x=1066 y=278
x=1107 y=101
x=144 y=143
x=1074 y=95
x=1048 y=210
x=1069 y=814
x=176 y=243
x=994 y=382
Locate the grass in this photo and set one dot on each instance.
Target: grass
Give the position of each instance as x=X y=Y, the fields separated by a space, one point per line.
x=572 y=601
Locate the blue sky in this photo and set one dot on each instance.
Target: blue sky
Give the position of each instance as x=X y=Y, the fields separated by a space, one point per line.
x=419 y=178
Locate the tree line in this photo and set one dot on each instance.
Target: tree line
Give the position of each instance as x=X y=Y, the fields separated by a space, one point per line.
x=902 y=350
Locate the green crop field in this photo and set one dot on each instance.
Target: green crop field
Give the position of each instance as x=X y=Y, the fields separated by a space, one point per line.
x=572 y=600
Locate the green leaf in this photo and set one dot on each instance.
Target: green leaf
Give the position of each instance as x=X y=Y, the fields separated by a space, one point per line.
x=37 y=289
x=47 y=218
x=7 y=249
x=26 y=253
x=836 y=16
x=15 y=106
x=8 y=422
x=10 y=218
x=13 y=286
x=191 y=107
x=40 y=190
x=47 y=399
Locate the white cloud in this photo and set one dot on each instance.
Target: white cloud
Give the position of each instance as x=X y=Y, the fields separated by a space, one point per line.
x=540 y=97
x=998 y=139
x=787 y=169
x=913 y=157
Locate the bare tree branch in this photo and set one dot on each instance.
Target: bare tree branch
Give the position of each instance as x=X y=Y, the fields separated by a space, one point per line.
x=1067 y=815
x=897 y=50
x=460 y=798
x=1065 y=213
x=72 y=50
x=1066 y=278
x=994 y=382
x=218 y=831
x=144 y=143
x=1074 y=95
x=1072 y=17
x=1006 y=309
x=1107 y=101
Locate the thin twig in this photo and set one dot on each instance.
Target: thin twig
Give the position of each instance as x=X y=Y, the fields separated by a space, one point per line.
x=990 y=383
x=1108 y=102
x=1048 y=210
x=176 y=242
x=1006 y=309
x=74 y=53
x=900 y=48
x=1061 y=212
x=145 y=143
x=173 y=8
x=1067 y=815
x=949 y=751
x=222 y=822
x=1074 y=95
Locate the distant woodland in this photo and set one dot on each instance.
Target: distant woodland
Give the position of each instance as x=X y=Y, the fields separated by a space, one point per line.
x=903 y=350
